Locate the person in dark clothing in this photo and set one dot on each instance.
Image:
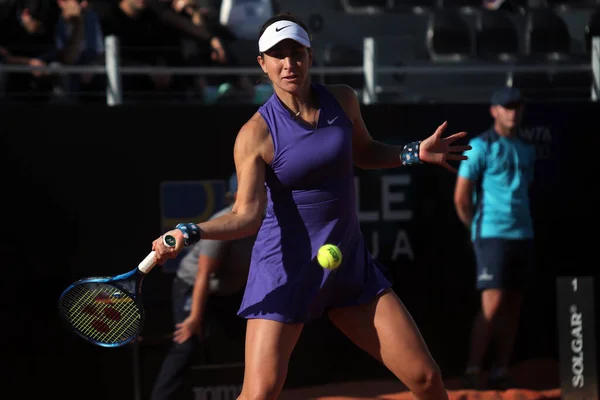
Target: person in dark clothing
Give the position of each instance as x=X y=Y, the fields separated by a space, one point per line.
x=27 y=38
x=145 y=41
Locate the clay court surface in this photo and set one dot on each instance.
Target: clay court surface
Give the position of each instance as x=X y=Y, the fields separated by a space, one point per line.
x=536 y=380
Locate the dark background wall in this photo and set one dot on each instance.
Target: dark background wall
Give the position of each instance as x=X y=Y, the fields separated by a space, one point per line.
x=81 y=197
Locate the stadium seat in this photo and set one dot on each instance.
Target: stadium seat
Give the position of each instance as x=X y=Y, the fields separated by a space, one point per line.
x=554 y=85
x=496 y=36
x=365 y=3
x=548 y=40
x=571 y=4
x=338 y=55
x=572 y=84
x=364 y=6
x=414 y=6
x=448 y=36
x=471 y=4
x=533 y=85
x=245 y=51
x=547 y=35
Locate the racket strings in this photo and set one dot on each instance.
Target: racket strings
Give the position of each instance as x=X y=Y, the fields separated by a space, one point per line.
x=101 y=312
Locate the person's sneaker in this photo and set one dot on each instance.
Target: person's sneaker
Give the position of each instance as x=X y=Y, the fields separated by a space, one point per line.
x=471 y=381
x=501 y=382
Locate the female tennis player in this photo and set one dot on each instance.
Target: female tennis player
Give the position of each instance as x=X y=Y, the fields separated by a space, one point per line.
x=302 y=144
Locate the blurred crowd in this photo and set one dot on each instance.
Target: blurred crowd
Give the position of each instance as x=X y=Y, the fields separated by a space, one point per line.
x=169 y=33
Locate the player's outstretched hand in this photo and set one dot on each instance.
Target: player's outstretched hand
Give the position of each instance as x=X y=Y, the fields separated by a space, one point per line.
x=438 y=150
x=163 y=252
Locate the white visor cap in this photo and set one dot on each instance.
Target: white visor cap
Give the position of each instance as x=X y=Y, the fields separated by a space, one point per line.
x=281 y=30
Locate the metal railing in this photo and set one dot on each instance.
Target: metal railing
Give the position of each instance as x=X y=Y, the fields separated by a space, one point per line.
x=595 y=90
x=370 y=70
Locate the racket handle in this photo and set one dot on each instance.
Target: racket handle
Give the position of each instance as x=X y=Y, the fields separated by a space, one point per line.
x=148 y=263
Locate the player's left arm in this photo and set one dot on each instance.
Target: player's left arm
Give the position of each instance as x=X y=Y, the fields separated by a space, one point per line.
x=367 y=152
x=372 y=154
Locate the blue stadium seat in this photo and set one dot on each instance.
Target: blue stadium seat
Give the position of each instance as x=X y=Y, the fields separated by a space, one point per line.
x=339 y=55
x=496 y=36
x=572 y=85
x=468 y=4
x=548 y=41
x=364 y=6
x=448 y=36
x=547 y=35
x=571 y=4
x=414 y=6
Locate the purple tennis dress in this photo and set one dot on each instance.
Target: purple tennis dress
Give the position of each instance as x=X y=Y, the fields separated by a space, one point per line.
x=311 y=202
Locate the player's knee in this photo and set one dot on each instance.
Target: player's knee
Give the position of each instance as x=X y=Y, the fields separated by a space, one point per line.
x=258 y=395
x=427 y=379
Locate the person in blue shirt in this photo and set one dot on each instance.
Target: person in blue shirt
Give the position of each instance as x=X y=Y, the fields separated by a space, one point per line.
x=492 y=200
x=80 y=41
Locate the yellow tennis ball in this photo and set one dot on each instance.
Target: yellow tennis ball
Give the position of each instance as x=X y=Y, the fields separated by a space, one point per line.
x=329 y=256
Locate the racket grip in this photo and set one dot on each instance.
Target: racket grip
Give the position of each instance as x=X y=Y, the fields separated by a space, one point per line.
x=148 y=263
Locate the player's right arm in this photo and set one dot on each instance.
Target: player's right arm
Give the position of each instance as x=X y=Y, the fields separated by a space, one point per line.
x=252 y=151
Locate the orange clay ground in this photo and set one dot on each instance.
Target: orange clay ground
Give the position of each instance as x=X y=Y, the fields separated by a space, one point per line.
x=536 y=380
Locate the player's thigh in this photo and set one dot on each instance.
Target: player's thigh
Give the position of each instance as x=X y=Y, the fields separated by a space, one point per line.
x=385 y=329
x=269 y=345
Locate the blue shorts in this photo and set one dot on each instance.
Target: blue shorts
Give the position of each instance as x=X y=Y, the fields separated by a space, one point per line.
x=503 y=263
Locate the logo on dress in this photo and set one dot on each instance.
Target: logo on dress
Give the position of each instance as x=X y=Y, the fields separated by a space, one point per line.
x=331 y=121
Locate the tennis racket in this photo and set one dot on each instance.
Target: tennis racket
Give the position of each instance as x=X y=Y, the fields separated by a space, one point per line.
x=108 y=311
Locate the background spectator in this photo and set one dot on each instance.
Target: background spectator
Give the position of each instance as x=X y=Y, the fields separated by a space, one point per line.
x=145 y=40
x=80 y=41
x=27 y=38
